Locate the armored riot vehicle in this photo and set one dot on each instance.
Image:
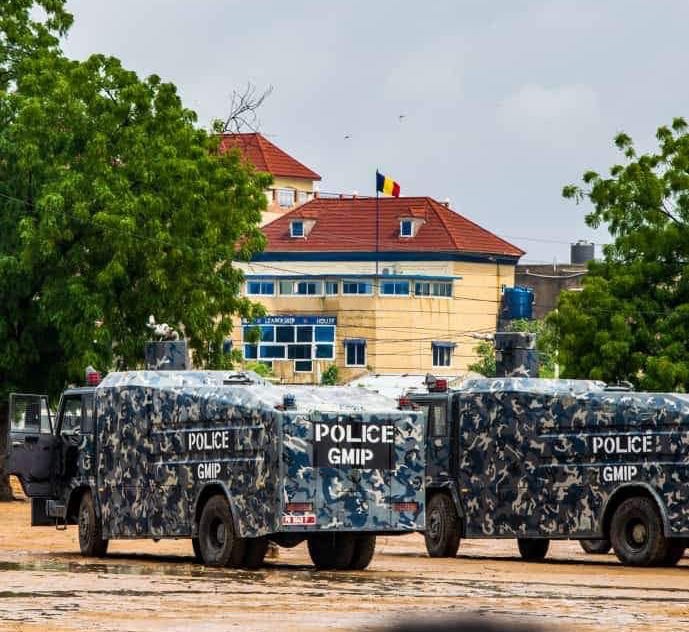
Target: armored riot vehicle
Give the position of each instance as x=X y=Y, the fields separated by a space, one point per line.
x=539 y=460
x=225 y=459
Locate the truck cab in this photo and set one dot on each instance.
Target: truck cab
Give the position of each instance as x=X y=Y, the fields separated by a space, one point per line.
x=52 y=454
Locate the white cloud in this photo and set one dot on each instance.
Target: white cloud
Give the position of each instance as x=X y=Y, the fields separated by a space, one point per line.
x=558 y=115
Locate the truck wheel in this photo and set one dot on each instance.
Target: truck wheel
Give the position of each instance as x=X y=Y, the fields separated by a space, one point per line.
x=675 y=552
x=532 y=549
x=254 y=552
x=197 y=550
x=364 y=547
x=442 y=527
x=331 y=551
x=636 y=532
x=91 y=542
x=596 y=547
x=217 y=541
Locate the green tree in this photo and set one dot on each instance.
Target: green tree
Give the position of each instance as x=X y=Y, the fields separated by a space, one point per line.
x=630 y=321
x=330 y=376
x=113 y=206
x=546 y=346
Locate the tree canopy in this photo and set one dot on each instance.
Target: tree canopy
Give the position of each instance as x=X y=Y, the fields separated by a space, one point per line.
x=113 y=205
x=631 y=320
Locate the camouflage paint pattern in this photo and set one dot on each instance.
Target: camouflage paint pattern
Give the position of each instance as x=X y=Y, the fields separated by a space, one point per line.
x=164 y=436
x=543 y=457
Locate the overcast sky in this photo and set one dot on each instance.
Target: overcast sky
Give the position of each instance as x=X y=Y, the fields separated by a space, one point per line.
x=503 y=102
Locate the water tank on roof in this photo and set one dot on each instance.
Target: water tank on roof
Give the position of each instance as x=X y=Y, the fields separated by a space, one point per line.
x=518 y=302
x=581 y=252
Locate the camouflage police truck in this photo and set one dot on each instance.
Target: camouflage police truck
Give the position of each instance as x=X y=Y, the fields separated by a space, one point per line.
x=540 y=460
x=225 y=459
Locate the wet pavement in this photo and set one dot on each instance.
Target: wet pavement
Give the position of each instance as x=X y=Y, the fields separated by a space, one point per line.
x=144 y=586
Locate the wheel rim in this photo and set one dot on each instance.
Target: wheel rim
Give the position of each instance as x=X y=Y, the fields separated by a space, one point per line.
x=218 y=534
x=434 y=525
x=636 y=534
x=84 y=523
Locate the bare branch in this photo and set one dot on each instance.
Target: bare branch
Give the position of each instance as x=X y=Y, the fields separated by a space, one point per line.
x=244 y=106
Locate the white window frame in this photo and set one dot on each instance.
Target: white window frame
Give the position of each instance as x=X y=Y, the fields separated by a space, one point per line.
x=368 y=282
x=297 y=222
x=447 y=353
x=410 y=224
x=285 y=192
x=261 y=282
x=346 y=354
x=394 y=295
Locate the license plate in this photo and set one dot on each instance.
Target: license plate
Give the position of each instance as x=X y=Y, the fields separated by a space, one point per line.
x=289 y=519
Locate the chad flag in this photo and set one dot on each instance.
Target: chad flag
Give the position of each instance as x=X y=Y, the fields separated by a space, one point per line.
x=387 y=185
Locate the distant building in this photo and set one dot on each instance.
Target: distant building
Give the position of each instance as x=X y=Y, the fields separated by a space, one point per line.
x=407 y=302
x=293 y=182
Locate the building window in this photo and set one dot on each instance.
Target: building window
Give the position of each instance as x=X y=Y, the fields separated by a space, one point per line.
x=285 y=198
x=296 y=228
x=284 y=334
x=302 y=196
x=406 y=228
x=442 y=353
x=422 y=288
x=325 y=333
x=286 y=288
x=357 y=287
x=303 y=366
x=436 y=288
x=302 y=342
x=355 y=352
x=309 y=288
x=394 y=288
x=441 y=289
x=260 y=288
x=331 y=288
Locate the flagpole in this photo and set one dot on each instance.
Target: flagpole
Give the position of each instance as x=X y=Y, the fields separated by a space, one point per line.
x=377 y=230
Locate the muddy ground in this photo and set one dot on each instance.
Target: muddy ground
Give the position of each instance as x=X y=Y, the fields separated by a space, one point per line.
x=148 y=587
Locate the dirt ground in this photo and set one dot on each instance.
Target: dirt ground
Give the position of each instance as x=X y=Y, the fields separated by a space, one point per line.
x=144 y=586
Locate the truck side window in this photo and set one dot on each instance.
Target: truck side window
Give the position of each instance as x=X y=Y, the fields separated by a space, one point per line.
x=437 y=421
x=87 y=424
x=71 y=416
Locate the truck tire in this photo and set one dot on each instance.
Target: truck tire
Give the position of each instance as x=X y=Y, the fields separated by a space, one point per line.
x=197 y=550
x=217 y=541
x=364 y=548
x=675 y=552
x=91 y=542
x=636 y=533
x=533 y=549
x=596 y=547
x=331 y=551
x=442 y=527
x=254 y=552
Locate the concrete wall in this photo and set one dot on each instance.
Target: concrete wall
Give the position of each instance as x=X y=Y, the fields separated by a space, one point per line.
x=548 y=281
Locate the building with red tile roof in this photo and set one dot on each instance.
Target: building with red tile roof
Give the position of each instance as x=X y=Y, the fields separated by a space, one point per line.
x=293 y=182
x=398 y=285
x=349 y=225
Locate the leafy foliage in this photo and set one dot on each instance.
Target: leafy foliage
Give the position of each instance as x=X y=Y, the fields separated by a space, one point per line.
x=113 y=206
x=631 y=322
x=485 y=365
x=546 y=345
x=330 y=376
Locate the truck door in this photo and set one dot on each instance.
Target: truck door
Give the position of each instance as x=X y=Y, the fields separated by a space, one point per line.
x=32 y=444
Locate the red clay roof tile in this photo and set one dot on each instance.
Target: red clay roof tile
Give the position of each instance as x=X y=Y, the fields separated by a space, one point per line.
x=346 y=225
x=266 y=157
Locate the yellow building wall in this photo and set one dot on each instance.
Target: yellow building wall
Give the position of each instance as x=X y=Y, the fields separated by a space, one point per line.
x=399 y=330
x=274 y=210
